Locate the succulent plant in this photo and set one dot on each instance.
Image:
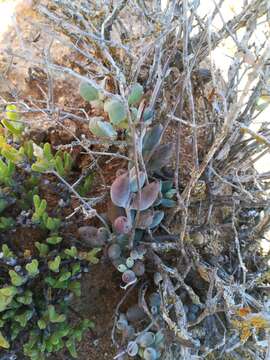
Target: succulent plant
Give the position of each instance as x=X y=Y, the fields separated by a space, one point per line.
x=61 y=162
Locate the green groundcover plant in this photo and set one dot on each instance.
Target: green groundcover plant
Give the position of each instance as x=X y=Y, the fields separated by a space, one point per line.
x=37 y=284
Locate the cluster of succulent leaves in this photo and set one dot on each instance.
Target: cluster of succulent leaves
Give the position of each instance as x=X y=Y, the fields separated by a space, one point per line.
x=146 y=344
x=36 y=285
x=116 y=111
x=138 y=196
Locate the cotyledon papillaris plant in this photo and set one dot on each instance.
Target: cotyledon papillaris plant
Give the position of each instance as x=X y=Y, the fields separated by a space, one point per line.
x=138 y=199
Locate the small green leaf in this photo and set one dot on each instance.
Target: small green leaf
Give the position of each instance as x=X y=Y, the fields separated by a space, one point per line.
x=53 y=240
x=51 y=281
x=42 y=166
x=3 y=342
x=75 y=287
x=15 y=330
x=59 y=166
x=16 y=279
x=70 y=344
x=51 y=224
x=32 y=268
x=6 y=296
x=3 y=204
x=116 y=110
x=26 y=298
x=101 y=128
x=53 y=316
x=135 y=95
x=72 y=252
x=7 y=253
x=166 y=186
x=88 y=92
x=65 y=275
x=47 y=151
x=91 y=256
x=43 y=249
x=76 y=268
x=14 y=128
x=54 y=264
x=168 y=203
x=12 y=113
x=23 y=318
x=41 y=324
x=6 y=223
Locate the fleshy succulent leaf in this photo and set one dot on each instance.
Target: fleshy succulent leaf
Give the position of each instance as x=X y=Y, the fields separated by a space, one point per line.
x=148 y=196
x=160 y=157
x=168 y=203
x=6 y=296
x=16 y=279
x=157 y=218
x=148 y=115
x=116 y=110
x=145 y=219
x=152 y=138
x=136 y=94
x=120 y=190
x=133 y=180
x=88 y=92
x=166 y=186
x=3 y=342
x=101 y=128
x=32 y=268
x=122 y=225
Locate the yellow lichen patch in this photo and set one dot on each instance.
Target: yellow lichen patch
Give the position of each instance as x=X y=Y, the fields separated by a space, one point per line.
x=259 y=322
x=243 y=311
x=249 y=322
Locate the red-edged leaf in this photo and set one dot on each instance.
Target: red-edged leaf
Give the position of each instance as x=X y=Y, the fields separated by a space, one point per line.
x=148 y=196
x=120 y=190
x=122 y=225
